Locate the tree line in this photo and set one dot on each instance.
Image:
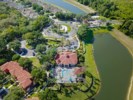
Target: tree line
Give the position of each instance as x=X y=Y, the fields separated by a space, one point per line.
x=119 y=10
x=111 y=9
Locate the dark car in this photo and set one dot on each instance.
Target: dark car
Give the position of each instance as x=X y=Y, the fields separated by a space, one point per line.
x=3 y=92
x=23 y=51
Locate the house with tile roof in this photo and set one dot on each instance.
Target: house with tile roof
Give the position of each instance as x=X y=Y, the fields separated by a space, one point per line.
x=22 y=76
x=66 y=58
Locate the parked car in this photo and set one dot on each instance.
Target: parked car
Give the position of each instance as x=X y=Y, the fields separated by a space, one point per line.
x=3 y=92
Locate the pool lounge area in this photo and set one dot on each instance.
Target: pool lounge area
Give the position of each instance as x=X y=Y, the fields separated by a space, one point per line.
x=67 y=75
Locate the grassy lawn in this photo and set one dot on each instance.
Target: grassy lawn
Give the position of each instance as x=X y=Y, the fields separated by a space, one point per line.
x=28 y=46
x=68 y=27
x=53 y=43
x=92 y=68
x=100 y=30
x=52 y=38
x=90 y=61
x=35 y=62
x=77 y=95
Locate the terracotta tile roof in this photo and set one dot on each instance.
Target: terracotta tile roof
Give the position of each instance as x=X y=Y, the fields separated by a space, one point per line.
x=79 y=70
x=22 y=76
x=25 y=83
x=66 y=58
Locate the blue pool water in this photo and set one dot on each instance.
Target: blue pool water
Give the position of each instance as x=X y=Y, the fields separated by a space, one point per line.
x=66 y=73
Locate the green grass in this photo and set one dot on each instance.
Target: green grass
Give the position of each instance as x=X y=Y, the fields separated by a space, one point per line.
x=90 y=61
x=52 y=38
x=77 y=95
x=100 y=30
x=7 y=85
x=68 y=27
x=92 y=68
x=35 y=62
x=28 y=46
x=53 y=43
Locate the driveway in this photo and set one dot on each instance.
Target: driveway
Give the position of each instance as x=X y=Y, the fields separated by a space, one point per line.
x=29 y=53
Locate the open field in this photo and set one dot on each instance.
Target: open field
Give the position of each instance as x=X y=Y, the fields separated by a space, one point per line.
x=80 y=6
x=128 y=43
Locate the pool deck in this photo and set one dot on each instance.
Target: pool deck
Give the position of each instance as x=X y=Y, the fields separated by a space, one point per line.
x=65 y=75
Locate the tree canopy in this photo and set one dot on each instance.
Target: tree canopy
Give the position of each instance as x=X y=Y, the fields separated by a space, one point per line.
x=15 y=93
x=40 y=23
x=34 y=38
x=127 y=27
x=25 y=63
x=37 y=7
x=48 y=94
x=15 y=45
x=115 y=9
x=85 y=33
x=2 y=44
x=41 y=48
x=2 y=76
x=65 y=16
x=39 y=75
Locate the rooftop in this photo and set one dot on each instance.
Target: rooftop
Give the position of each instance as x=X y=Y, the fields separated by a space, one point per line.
x=22 y=76
x=66 y=58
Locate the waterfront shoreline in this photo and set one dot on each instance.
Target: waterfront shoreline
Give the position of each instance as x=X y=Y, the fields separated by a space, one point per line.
x=91 y=62
x=57 y=6
x=86 y=9
x=127 y=42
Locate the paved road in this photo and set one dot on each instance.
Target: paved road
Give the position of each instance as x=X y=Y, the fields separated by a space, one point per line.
x=71 y=36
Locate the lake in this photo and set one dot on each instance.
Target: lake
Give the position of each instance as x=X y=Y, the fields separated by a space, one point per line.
x=115 y=67
x=66 y=6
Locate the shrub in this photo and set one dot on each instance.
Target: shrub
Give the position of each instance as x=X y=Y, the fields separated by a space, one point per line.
x=2 y=61
x=26 y=63
x=15 y=57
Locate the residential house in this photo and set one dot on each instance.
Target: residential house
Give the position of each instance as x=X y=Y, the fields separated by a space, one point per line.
x=22 y=76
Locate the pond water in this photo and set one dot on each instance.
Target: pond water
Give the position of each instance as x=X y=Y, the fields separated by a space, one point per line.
x=115 y=67
x=65 y=5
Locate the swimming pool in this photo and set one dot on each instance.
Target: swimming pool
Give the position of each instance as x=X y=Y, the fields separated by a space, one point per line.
x=65 y=75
